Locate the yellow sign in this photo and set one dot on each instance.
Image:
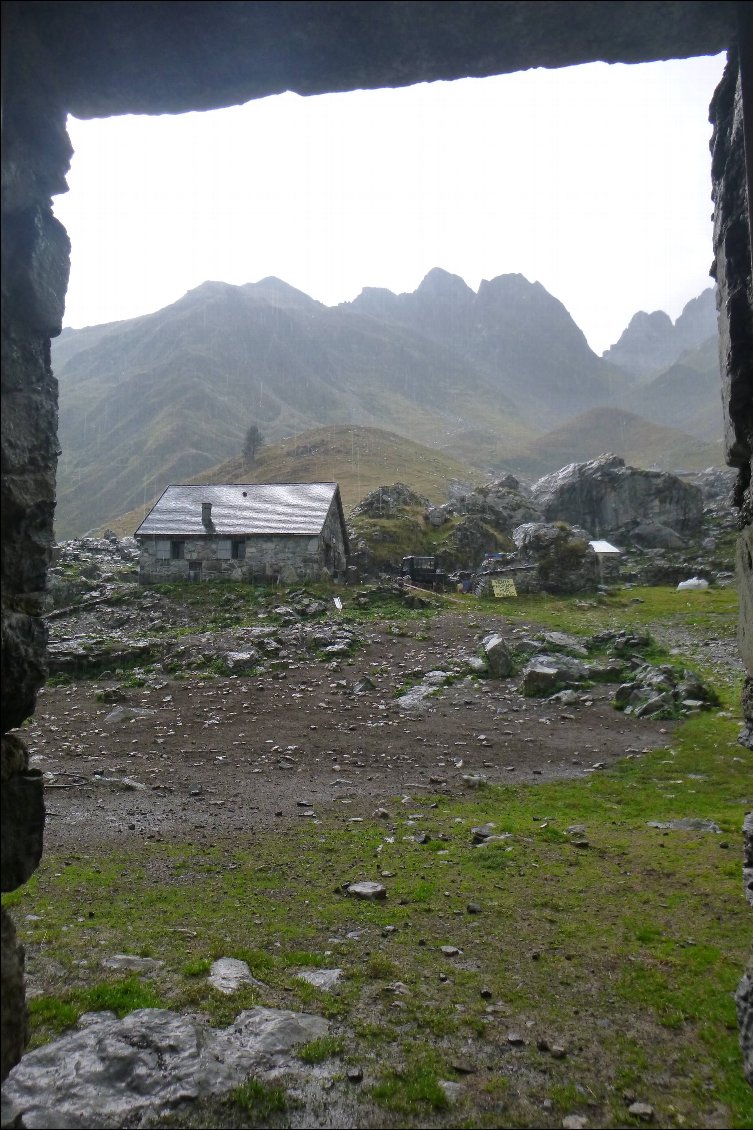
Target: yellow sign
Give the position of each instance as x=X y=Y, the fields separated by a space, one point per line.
x=504 y=586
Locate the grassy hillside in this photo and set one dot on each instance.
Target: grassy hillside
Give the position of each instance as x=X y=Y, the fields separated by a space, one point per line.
x=359 y=459
x=638 y=441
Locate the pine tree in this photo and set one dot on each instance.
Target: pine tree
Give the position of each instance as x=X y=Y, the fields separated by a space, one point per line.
x=251 y=444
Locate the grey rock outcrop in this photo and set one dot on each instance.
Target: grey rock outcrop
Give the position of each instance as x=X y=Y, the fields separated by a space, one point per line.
x=545 y=674
x=607 y=497
x=148 y=1063
x=564 y=560
x=502 y=505
x=388 y=502
x=661 y=692
x=469 y=541
x=654 y=535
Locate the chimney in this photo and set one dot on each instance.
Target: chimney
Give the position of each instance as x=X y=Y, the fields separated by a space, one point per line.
x=206 y=513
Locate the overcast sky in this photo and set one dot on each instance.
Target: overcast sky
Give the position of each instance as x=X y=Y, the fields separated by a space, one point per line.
x=593 y=180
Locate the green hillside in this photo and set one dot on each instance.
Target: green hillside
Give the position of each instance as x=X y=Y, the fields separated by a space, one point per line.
x=640 y=443
x=169 y=395
x=359 y=459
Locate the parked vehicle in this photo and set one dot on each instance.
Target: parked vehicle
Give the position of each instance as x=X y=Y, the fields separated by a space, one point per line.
x=423 y=571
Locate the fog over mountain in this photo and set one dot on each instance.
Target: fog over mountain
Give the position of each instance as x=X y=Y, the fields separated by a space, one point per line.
x=479 y=375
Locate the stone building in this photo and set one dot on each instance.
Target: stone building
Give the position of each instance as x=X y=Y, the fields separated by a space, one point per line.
x=271 y=531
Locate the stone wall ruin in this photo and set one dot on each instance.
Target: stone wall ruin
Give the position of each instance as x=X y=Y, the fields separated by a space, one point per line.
x=99 y=59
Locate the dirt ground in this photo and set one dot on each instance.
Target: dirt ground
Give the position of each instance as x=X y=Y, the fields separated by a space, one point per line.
x=219 y=756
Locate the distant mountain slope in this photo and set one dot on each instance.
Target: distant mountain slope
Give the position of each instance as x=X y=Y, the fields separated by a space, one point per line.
x=687 y=395
x=166 y=396
x=639 y=442
x=652 y=342
x=171 y=394
x=359 y=459
x=513 y=331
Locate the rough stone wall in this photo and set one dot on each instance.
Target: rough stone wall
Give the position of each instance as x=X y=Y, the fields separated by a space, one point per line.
x=35 y=259
x=293 y=558
x=334 y=560
x=732 y=269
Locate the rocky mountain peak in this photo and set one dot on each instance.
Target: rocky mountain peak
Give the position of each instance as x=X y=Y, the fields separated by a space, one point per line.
x=652 y=342
x=440 y=285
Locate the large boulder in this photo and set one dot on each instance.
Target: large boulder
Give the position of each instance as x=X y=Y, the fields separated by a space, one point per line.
x=502 y=505
x=564 y=560
x=468 y=542
x=388 y=502
x=653 y=535
x=545 y=674
x=607 y=497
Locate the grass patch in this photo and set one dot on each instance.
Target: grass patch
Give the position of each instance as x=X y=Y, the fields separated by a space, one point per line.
x=412 y=1090
x=259 y=1099
x=317 y=1051
x=198 y=968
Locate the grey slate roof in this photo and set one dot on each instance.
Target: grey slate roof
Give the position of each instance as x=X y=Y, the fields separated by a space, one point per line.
x=239 y=510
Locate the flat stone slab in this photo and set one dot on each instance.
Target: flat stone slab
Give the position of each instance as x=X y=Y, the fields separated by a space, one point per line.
x=686 y=824
x=416 y=697
x=132 y=963
x=148 y=1063
x=325 y=979
x=367 y=890
x=228 y=974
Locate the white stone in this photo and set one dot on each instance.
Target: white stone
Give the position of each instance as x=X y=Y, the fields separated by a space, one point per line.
x=325 y=979
x=228 y=974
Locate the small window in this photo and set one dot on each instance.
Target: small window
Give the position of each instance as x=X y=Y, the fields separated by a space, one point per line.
x=224 y=547
x=163 y=550
x=177 y=550
x=238 y=550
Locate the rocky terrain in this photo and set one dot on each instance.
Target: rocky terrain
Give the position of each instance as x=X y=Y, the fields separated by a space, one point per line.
x=215 y=716
x=668 y=528
x=157 y=698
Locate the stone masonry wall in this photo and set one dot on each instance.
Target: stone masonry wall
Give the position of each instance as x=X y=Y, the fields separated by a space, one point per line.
x=732 y=269
x=35 y=260
x=334 y=546
x=289 y=558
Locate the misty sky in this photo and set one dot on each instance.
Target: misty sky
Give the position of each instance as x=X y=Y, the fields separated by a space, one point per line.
x=593 y=180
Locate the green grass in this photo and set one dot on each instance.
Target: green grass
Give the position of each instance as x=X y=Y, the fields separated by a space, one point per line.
x=670 y=944
x=412 y=1090
x=258 y=1098
x=317 y=1051
x=49 y=1016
